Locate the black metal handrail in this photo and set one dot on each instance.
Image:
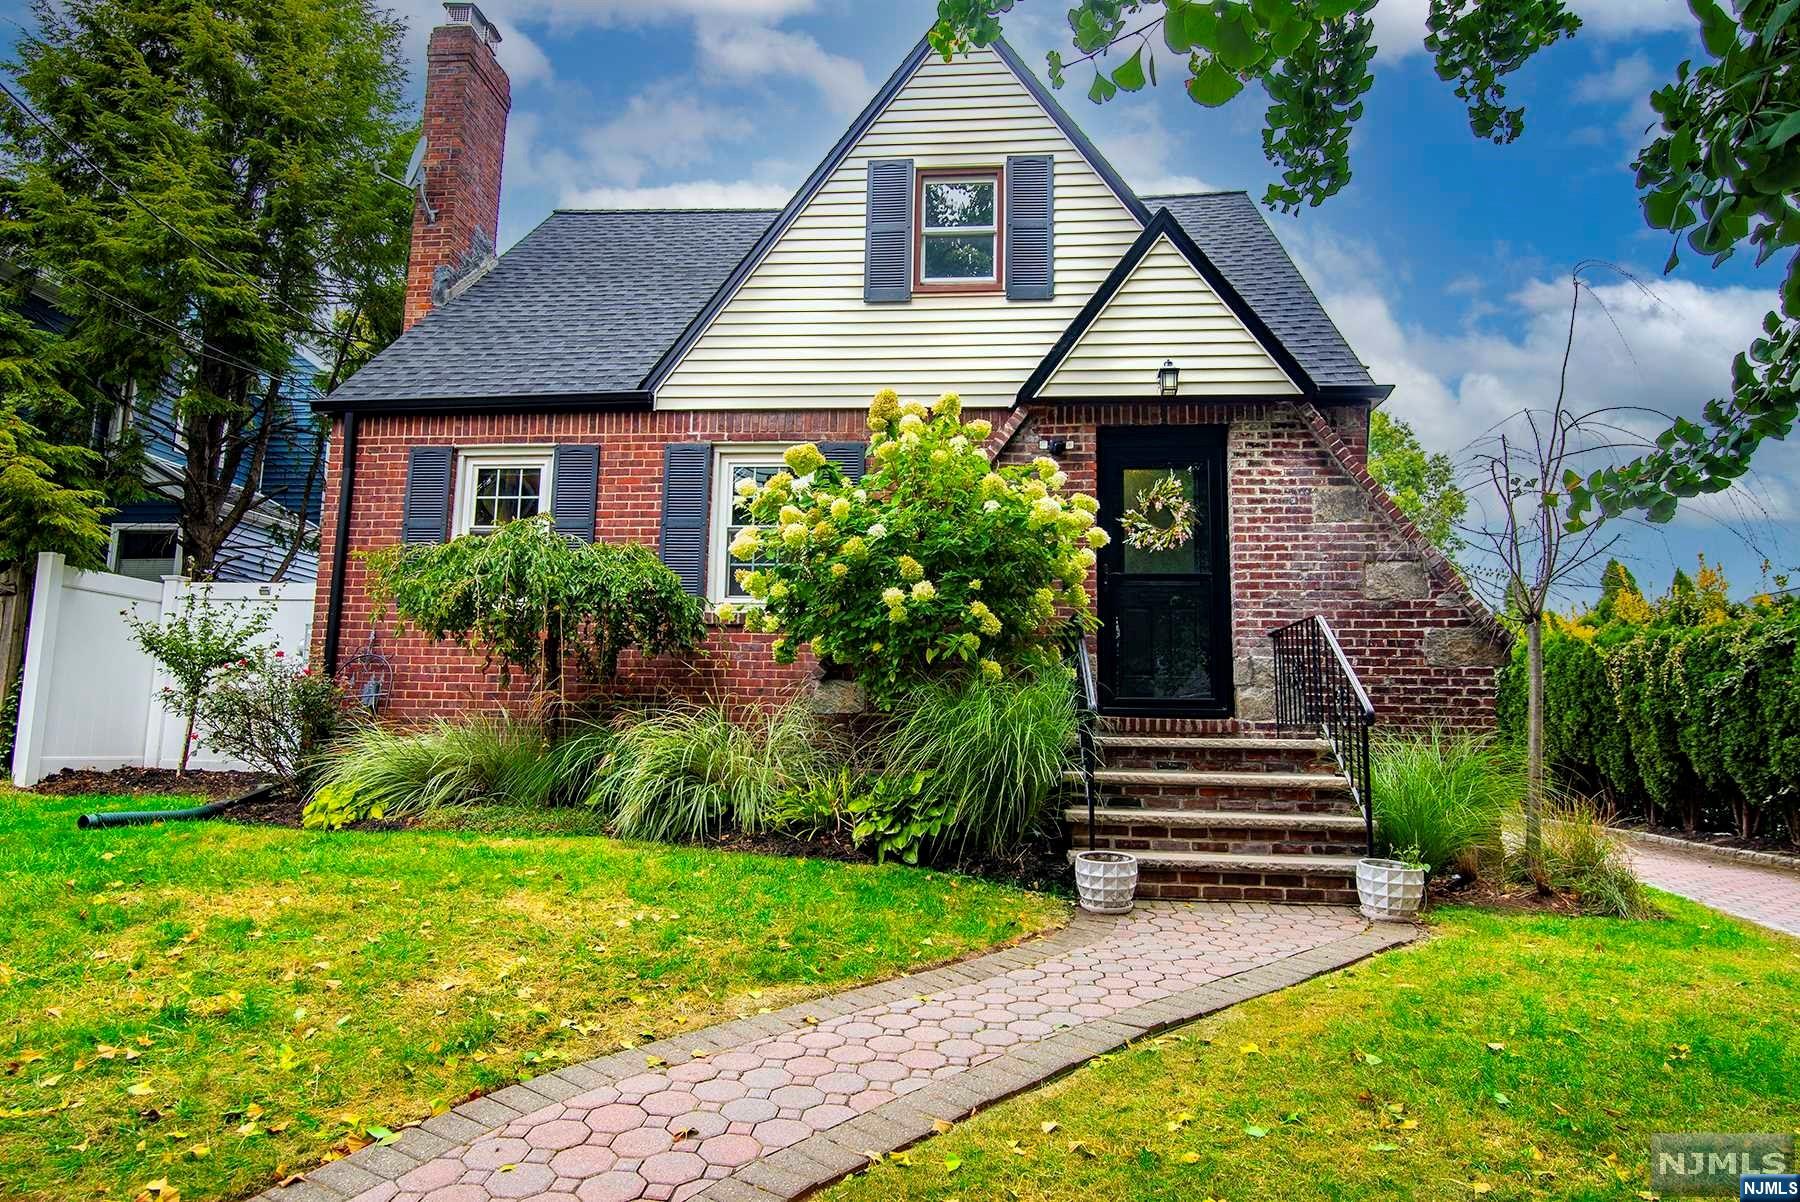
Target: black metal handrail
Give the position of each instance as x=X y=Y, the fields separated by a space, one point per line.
x=1316 y=688
x=1087 y=718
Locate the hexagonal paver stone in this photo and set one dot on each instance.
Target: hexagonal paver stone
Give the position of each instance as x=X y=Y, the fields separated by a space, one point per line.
x=749 y=1110
x=891 y=1045
x=589 y=1160
x=802 y=1067
x=869 y=1099
x=617 y=1117
x=927 y=1035
x=694 y=1072
x=765 y=1077
x=645 y=1141
x=594 y=1097
x=521 y=1181
x=615 y=1186
x=779 y=1049
x=923 y=1058
x=492 y=1153
x=779 y=1133
x=996 y=1037
x=841 y=1082
x=642 y=1084
x=800 y=1096
x=858 y=1030
x=896 y=1022
x=820 y=1118
x=725 y=1091
x=697 y=1124
x=819 y=1041
x=557 y=1134
x=669 y=1103
x=883 y=1070
x=672 y=1168
x=736 y=1062
x=731 y=1151
x=851 y=1053
x=433 y=1174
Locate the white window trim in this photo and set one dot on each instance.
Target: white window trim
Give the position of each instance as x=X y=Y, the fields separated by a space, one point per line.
x=726 y=456
x=991 y=230
x=112 y=549
x=471 y=459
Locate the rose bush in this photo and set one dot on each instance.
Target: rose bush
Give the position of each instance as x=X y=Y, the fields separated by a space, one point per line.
x=935 y=563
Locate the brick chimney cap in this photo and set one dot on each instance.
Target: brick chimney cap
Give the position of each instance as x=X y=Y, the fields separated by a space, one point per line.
x=461 y=12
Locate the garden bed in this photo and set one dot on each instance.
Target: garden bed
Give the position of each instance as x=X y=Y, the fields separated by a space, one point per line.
x=148 y=782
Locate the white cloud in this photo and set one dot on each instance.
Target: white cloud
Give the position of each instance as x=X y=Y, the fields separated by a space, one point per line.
x=749 y=52
x=1139 y=145
x=663 y=128
x=655 y=12
x=697 y=194
x=1627 y=79
x=1400 y=24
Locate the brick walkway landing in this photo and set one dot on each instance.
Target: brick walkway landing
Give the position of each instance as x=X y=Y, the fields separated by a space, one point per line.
x=780 y=1104
x=1767 y=896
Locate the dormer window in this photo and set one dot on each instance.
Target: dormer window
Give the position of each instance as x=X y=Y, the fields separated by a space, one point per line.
x=958 y=240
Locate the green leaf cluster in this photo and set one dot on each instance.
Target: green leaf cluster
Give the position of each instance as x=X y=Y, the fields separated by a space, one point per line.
x=936 y=564
x=898 y=817
x=528 y=598
x=1422 y=485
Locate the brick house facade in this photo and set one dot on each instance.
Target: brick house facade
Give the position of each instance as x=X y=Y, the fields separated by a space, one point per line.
x=672 y=350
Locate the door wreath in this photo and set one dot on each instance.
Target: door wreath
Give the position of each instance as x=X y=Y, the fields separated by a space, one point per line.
x=1165 y=498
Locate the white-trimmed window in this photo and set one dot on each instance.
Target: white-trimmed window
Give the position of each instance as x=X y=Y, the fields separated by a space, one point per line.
x=959 y=230
x=495 y=485
x=731 y=512
x=147 y=552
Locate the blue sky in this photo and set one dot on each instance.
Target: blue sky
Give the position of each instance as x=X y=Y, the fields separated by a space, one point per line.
x=1445 y=261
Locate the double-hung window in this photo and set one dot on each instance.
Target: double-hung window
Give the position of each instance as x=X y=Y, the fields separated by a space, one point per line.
x=959 y=222
x=496 y=485
x=731 y=512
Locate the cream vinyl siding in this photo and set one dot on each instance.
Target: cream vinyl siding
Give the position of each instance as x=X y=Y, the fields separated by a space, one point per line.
x=1166 y=310
x=798 y=334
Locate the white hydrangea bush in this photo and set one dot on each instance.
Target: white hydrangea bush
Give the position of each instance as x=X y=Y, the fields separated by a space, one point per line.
x=936 y=562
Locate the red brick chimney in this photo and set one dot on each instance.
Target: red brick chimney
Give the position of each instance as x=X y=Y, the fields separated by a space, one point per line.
x=467 y=97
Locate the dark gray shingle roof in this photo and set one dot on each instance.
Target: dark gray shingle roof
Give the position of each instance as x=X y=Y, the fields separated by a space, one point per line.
x=588 y=301
x=1231 y=230
x=583 y=304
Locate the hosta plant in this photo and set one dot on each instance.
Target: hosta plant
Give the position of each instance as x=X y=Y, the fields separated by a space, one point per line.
x=936 y=563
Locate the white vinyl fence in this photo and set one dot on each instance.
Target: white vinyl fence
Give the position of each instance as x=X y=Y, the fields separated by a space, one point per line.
x=91 y=698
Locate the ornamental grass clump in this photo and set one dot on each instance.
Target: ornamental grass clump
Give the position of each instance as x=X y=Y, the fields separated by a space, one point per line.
x=1445 y=797
x=380 y=772
x=937 y=563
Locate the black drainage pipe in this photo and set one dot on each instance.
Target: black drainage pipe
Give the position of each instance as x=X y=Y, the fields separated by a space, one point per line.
x=89 y=822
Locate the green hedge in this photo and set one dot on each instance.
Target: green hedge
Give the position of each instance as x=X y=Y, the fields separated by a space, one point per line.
x=1696 y=722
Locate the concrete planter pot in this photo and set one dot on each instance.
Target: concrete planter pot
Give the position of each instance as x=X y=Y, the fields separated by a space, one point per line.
x=1106 y=881
x=1389 y=890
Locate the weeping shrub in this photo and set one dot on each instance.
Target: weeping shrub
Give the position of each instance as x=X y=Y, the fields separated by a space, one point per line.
x=993 y=751
x=683 y=773
x=1446 y=795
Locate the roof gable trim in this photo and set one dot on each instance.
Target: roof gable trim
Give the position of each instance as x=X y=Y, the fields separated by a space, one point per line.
x=1162 y=225
x=835 y=158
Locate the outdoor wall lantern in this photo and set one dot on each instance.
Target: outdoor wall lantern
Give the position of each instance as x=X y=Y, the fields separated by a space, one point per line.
x=1168 y=379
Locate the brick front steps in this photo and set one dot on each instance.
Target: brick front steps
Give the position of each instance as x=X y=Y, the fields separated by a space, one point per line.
x=1224 y=817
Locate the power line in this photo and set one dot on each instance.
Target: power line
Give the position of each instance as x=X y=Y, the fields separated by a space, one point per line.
x=125 y=194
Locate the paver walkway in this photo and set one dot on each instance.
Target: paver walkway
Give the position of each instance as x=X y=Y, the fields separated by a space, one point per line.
x=772 y=1106
x=1767 y=896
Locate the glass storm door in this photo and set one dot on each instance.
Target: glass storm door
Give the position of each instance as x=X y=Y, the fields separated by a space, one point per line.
x=1165 y=641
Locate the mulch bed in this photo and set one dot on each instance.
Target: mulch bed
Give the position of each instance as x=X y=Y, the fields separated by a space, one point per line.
x=1769 y=846
x=148 y=782
x=1461 y=891
x=1042 y=868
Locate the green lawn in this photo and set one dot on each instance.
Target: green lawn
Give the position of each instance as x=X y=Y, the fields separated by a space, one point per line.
x=1508 y=1057
x=212 y=1004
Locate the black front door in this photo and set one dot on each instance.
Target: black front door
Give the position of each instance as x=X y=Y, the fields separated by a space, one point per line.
x=1165 y=642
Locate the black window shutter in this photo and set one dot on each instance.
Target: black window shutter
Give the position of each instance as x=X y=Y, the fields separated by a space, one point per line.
x=425 y=513
x=887 y=259
x=574 y=490
x=850 y=457
x=1030 y=227
x=686 y=497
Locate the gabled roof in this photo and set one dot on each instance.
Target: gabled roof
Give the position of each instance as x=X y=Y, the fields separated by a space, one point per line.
x=1230 y=228
x=841 y=150
x=574 y=314
x=595 y=307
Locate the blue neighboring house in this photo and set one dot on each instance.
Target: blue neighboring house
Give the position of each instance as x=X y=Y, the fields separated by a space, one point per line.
x=146 y=534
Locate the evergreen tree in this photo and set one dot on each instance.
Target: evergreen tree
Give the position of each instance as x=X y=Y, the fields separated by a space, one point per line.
x=201 y=180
